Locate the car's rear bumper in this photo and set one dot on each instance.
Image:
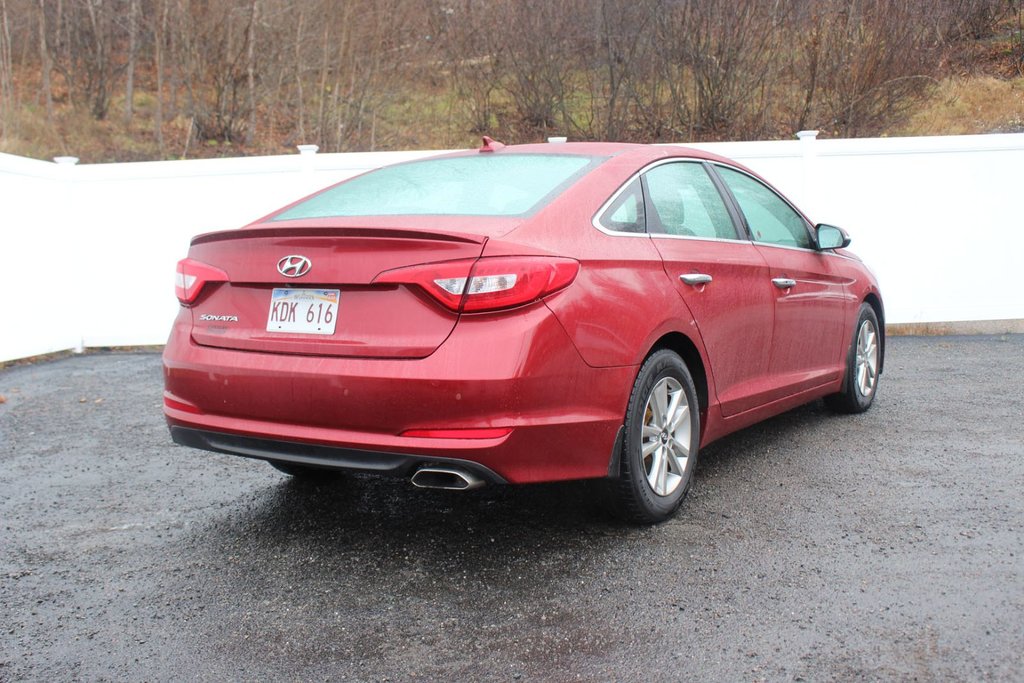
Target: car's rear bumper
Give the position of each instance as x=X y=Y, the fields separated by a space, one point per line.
x=518 y=373
x=317 y=455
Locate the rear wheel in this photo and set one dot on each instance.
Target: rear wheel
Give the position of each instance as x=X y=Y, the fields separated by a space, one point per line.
x=862 y=364
x=662 y=434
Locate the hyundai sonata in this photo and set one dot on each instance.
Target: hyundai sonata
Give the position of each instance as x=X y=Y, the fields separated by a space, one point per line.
x=519 y=314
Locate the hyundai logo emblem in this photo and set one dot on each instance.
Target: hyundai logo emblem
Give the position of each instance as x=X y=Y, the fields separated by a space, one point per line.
x=294 y=266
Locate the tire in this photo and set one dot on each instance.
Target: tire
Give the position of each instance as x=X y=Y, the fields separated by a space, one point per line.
x=863 y=361
x=303 y=472
x=657 y=459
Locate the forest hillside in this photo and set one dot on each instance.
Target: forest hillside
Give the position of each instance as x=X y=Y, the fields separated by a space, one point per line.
x=121 y=80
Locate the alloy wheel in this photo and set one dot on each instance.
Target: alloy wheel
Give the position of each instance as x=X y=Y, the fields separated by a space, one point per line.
x=867 y=358
x=665 y=438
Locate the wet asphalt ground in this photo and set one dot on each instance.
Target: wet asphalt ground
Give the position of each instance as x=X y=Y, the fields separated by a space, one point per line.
x=886 y=546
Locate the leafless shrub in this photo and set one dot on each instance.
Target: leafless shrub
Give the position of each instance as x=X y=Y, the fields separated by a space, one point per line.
x=863 y=62
x=86 y=48
x=969 y=19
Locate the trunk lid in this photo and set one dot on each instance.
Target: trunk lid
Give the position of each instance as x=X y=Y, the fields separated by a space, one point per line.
x=368 y=319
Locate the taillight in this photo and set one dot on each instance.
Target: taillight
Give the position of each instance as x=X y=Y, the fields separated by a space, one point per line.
x=488 y=284
x=437 y=279
x=191 y=276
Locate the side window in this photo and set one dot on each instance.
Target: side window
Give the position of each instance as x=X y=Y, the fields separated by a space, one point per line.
x=770 y=218
x=684 y=201
x=626 y=213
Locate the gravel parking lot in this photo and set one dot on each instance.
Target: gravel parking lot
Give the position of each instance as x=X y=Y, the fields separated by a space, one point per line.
x=812 y=547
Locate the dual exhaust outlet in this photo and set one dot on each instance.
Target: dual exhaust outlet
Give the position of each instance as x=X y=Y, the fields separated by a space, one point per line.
x=448 y=478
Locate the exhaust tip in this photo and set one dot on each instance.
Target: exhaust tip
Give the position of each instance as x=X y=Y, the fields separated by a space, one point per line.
x=447 y=478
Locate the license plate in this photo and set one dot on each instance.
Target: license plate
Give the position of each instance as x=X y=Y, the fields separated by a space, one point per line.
x=303 y=311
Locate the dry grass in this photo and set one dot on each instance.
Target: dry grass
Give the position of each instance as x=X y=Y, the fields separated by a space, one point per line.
x=968 y=105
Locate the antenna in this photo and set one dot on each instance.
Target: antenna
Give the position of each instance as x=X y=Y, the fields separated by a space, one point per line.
x=491 y=145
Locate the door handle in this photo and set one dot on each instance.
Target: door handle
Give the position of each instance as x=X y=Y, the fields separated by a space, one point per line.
x=784 y=282
x=695 y=279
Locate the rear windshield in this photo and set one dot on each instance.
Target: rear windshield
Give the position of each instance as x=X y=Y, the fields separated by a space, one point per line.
x=482 y=185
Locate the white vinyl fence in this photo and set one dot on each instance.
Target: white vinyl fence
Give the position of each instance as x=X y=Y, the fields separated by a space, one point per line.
x=87 y=252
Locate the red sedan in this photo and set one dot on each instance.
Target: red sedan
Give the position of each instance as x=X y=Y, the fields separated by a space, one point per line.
x=520 y=314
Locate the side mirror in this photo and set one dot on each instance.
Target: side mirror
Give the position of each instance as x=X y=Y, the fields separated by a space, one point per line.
x=831 y=237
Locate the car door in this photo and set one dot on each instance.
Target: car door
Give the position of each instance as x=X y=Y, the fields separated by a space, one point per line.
x=723 y=279
x=809 y=338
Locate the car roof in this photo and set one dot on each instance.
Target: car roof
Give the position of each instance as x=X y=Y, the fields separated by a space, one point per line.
x=641 y=154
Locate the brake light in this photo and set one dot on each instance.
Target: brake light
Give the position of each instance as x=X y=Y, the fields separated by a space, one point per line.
x=488 y=284
x=191 y=276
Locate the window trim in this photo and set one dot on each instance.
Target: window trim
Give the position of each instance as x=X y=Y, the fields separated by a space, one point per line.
x=738 y=219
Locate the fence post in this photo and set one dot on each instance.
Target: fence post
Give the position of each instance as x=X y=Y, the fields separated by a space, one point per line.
x=66 y=214
x=307 y=154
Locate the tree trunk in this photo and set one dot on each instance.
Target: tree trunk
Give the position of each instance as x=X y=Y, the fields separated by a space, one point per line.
x=133 y=40
x=300 y=108
x=45 y=64
x=250 y=72
x=159 y=30
x=98 y=90
x=6 y=67
x=321 y=128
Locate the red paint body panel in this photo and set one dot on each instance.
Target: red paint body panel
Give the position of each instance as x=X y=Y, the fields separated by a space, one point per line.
x=541 y=389
x=495 y=371
x=734 y=312
x=812 y=319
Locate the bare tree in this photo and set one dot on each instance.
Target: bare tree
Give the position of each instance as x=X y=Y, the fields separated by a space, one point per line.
x=99 y=66
x=363 y=74
x=467 y=48
x=45 y=63
x=881 y=59
x=250 y=71
x=540 y=54
x=6 y=68
x=1015 y=10
x=84 y=49
x=159 y=27
x=133 y=48
x=623 y=43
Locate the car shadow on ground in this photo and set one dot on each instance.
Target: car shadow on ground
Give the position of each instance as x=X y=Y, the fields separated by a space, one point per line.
x=772 y=435
x=375 y=518
x=369 y=561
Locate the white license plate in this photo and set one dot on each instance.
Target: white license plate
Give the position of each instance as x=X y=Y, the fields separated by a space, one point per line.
x=304 y=311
